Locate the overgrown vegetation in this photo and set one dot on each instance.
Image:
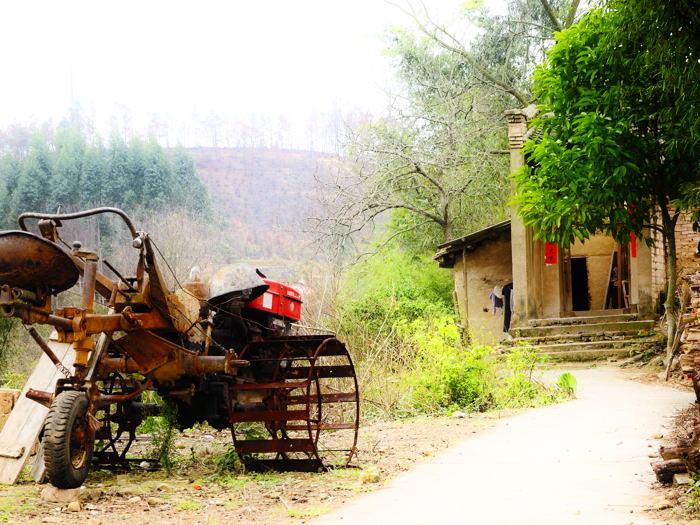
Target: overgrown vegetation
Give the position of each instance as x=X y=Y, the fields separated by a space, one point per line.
x=397 y=316
x=163 y=429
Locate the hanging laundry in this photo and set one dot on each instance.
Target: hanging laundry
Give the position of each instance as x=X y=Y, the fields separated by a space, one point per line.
x=507 y=305
x=496 y=298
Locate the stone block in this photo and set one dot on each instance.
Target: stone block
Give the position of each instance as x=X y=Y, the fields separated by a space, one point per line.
x=681 y=479
x=8 y=397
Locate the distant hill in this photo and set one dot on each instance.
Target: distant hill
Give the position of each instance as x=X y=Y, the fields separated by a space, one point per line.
x=265 y=194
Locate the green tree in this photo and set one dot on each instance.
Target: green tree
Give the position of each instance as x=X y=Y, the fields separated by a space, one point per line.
x=65 y=184
x=158 y=181
x=117 y=188
x=10 y=169
x=94 y=176
x=619 y=129
x=33 y=183
x=429 y=165
x=508 y=46
x=188 y=188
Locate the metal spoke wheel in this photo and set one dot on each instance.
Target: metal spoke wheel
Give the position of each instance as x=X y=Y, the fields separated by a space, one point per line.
x=299 y=407
x=118 y=423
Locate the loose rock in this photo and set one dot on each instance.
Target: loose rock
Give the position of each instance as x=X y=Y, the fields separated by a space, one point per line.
x=73 y=506
x=54 y=495
x=681 y=479
x=369 y=477
x=661 y=503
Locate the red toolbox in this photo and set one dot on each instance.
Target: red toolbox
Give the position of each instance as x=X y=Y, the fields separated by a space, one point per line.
x=279 y=300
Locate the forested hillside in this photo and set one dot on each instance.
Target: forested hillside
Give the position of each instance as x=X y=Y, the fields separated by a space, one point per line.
x=64 y=167
x=265 y=195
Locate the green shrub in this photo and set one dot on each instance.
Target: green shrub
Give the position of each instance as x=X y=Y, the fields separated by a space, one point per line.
x=163 y=428
x=567 y=384
x=448 y=375
x=397 y=318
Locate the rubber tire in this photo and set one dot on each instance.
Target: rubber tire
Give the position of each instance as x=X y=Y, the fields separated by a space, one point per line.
x=66 y=409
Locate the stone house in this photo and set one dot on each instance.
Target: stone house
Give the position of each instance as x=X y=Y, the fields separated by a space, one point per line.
x=561 y=296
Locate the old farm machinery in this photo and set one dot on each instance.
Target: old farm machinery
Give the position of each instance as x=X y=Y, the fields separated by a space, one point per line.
x=219 y=352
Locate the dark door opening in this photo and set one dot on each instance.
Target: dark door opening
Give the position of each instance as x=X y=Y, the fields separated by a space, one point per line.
x=579 y=284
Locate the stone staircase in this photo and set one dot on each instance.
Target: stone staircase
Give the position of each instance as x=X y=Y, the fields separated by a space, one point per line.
x=592 y=335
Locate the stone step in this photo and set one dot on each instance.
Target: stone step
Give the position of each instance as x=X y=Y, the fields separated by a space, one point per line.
x=582 y=351
x=599 y=313
x=597 y=354
x=580 y=320
x=615 y=327
x=578 y=338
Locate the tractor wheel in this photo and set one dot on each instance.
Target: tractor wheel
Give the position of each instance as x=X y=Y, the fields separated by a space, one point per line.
x=68 y=441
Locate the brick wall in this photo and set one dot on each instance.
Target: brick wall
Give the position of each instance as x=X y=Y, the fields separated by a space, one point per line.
x=8 y=398
x=658 y=267
x=686 y=246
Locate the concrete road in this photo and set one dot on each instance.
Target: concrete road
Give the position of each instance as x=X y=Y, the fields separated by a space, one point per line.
x=583 y=462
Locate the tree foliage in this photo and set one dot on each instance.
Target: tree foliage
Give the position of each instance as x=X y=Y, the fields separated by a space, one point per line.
x=613 y=145
x=618 y=131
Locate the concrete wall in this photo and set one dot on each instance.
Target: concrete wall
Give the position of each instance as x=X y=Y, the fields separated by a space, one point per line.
x=598 y=251
x=551 y=285
x=642 y=276
x=461 y=296
x=527 y=254
x=487 y=266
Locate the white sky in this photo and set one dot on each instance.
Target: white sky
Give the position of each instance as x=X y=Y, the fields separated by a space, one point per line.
x=185 y=60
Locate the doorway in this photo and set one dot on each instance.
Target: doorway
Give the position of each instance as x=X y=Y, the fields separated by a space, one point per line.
x=580 y=298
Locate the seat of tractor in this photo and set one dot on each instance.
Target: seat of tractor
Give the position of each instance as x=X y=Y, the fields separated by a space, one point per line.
x=30 y=262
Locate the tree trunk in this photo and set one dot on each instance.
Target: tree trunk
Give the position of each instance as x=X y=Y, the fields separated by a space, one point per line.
x=668 y=225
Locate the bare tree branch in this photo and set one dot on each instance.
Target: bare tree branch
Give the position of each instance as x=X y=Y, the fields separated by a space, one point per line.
x=550 y=13
x=456 y=47
x=571 y=17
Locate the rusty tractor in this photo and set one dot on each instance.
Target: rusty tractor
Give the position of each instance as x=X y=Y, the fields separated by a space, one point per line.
x=219 y=353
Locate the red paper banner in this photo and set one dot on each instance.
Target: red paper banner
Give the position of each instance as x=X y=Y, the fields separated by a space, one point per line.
x=633 y=244
x=550 y=253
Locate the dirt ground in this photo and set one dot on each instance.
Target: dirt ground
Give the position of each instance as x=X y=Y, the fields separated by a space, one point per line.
x=198 y=494
x=684 y=502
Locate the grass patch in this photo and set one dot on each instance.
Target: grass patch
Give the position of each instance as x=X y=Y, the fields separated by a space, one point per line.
x=189 y=504
x=17 y=502
x=308 y=512
x=233 y=503
x=269 y=479
x=231 y=482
